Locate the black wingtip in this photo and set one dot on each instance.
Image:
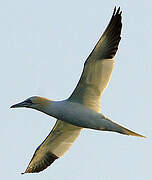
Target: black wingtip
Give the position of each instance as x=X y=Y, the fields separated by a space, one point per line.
x=113 y=36
x=118 y=12
x=114 y=11
x=36 y=167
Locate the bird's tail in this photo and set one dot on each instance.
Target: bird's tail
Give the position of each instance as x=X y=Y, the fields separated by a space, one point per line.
x=131 y=133
x=112 y=126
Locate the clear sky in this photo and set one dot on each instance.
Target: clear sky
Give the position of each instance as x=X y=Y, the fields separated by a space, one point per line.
x=43 y=47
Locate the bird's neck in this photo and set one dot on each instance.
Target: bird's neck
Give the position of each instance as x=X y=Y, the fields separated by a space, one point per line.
x=48 y=107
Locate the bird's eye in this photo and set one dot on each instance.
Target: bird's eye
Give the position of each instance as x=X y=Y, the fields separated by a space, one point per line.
x=28 y=101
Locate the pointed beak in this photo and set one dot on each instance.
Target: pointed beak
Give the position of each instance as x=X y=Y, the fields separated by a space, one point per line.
x=22 y=104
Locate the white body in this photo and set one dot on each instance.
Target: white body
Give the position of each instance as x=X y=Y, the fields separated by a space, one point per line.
x=79 y=115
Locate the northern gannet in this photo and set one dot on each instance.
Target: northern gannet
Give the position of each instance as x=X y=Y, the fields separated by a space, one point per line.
x=82 y=108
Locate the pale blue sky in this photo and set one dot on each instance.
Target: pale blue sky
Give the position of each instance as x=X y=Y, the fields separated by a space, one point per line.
x=43 y=47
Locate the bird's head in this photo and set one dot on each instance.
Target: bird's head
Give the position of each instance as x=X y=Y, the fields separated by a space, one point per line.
x=34 y=102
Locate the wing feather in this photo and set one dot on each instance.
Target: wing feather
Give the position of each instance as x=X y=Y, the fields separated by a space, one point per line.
x=54 y=146
x=99 y=65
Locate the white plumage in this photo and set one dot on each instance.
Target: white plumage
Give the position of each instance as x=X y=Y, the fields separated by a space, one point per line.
x=82 y=108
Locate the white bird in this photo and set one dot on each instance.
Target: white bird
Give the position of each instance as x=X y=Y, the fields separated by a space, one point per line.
x=82 y=108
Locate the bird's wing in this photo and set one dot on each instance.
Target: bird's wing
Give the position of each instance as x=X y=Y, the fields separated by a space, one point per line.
x=54 y=146
x=99 y=65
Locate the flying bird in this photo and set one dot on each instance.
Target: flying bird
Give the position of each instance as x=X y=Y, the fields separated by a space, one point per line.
x=82 y=108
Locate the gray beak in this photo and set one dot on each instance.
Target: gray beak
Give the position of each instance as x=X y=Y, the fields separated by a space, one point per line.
x=22 y=104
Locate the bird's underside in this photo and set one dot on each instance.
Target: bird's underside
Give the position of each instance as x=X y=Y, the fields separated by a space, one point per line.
x=94 y=79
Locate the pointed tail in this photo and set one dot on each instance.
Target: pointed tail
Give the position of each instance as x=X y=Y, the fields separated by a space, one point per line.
x=112 y=126
x=131 y=133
